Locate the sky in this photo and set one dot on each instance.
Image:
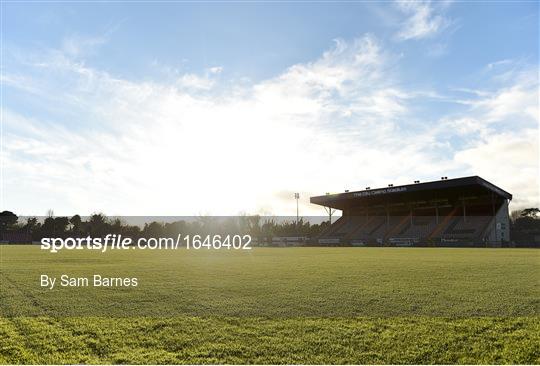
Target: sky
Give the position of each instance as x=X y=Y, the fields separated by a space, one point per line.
x=223 y=108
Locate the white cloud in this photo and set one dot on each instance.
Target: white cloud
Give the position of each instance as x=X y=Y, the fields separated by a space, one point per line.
x=184 y=148
x=509 y=159
x=195 y=81
x=496 y=64
x=422 y=22
x=500 y=134
x=215 y=70
x=514 y=99
x=520 y=101
x=76 y=45
x=191 y=146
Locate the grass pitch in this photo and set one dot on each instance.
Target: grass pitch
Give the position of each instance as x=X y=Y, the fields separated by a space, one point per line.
x=281 y=305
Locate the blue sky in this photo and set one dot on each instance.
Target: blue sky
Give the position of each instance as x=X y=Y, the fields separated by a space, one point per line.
x=221 y=108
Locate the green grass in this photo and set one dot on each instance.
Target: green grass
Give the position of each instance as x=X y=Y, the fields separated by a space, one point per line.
x=258 y=340
x=282 y=305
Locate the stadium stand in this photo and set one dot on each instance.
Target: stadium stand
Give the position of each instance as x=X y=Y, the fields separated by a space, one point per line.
x=466 y=211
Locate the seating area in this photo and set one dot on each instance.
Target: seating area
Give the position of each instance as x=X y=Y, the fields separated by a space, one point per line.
x=420 y=227
x=402 y=229
x=367 y=229
x=466 y=227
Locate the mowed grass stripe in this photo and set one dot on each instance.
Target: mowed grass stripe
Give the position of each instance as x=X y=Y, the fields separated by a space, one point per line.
x=211 y=340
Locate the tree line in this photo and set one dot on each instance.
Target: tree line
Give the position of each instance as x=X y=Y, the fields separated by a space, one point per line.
x=525 y=226
x=98 y=225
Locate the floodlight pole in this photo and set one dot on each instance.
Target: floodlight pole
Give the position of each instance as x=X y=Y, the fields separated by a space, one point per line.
x=297 y=197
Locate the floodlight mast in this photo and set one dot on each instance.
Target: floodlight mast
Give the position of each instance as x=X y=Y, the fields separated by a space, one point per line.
x=297 y=197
